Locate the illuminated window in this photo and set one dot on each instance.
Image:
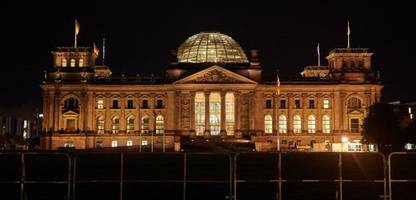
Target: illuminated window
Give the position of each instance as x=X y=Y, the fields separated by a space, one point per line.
x=199 y=113
x=144 y=142
x=115 y=126
x=229 y=113
x=160 y=126
x=282 y=124
x=311 y=124
x=114 y=143
x=268 y=124
x=326 y=103
x=355 y=124
x=354 y=103
x=215 y=113
x=129 y=143
x=297 y=124
x=145 y=124
x=69 y=144
x=100 y=125
x=130 y=124
x=64 y=62
x=81 y=62
x=72 y=62
x=326 y=124
x=100 y=104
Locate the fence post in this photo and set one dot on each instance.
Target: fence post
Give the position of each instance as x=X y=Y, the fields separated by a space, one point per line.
x=22 y=177
x=340 y=174
x=184 y=177
x=279 y=174
x=121 y=174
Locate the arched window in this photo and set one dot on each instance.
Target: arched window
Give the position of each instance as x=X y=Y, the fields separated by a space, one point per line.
x=160 y=126
x=64 y=62
x=130 y=124
x=282 y=124
x=268 y=124
x=229 y=113
x=215 y=112
x=71 y=103
x=145 y=124
x=311 y=124
x=81 y=62
x=100 y=125
x=72 y=62
x=297 y=124
x=326 y=124
x=199 y=113
x=354 y=103
x=115 y=126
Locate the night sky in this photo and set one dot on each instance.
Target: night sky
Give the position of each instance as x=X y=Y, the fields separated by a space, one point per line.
x=139 y=37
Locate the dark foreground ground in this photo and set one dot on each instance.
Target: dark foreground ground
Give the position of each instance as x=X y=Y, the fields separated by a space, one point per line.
x=254 y=176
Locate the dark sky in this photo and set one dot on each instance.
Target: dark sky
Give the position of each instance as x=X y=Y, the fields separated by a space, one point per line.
x=139 y=36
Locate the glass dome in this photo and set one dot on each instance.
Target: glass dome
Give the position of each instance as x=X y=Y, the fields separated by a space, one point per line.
x=211 y=48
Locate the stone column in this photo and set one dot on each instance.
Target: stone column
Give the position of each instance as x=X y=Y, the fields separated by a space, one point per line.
x=304 y=115
x=107 y=120
x=222 y=122
x=237 y=106
x=57 y=116
x=336 y=112
x=122 y=105
x=207 y=132
x=289 y=113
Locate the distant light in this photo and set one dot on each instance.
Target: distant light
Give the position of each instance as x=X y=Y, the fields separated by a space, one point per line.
x=344 y=139
x=40 y=115
x=144 y=142
x=410 y=110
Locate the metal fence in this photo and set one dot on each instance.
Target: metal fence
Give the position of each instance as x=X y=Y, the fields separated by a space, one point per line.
x=130 y=175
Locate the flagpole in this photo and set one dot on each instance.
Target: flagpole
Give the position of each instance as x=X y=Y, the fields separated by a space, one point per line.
x=277 y=94
x=319 y=56
x=103 y=51
x=348 y=33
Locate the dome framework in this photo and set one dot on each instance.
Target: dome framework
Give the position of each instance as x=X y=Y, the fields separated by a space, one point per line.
x=210 y=47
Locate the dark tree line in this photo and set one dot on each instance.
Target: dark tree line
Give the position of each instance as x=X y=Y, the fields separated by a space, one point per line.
x=384 y=127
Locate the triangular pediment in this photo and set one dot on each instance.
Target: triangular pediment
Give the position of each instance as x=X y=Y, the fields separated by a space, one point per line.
x=355 y=112
x=215 y=74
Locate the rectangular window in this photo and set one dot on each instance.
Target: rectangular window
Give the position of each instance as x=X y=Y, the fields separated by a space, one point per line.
x=268 y=103
x=144 y=142
x=130 y=104
x=115 y=104
x=297 y=103
x=283 y=104
x=311 y=104
x=159 y=103
x=129 y=143
x=100 y=104
x=145 y=104
x=114 y=143
x=326 y=103
x=355 y=125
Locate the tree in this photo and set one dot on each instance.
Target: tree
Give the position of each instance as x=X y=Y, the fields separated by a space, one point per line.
x=381 y=127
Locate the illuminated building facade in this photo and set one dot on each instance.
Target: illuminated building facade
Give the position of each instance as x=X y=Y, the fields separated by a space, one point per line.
x=212 y=90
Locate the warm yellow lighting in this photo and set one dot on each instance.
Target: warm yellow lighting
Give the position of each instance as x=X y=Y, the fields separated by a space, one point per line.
x=344 y=139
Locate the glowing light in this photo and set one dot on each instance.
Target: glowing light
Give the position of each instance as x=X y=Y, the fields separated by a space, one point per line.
x=344 y=139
